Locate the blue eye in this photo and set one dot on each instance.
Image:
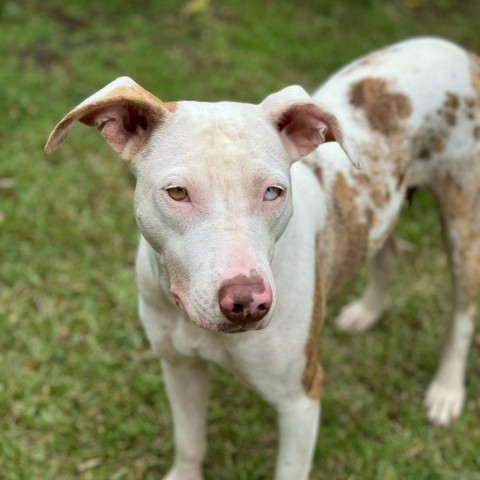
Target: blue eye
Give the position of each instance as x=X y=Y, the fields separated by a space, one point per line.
x=272 y=193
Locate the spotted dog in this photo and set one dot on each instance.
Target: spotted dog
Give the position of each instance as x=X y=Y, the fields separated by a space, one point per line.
x=253 y=216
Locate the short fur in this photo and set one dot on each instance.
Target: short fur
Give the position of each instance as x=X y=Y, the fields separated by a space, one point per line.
x=248 y=228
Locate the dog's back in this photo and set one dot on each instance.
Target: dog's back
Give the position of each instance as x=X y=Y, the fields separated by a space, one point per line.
x=413 y=110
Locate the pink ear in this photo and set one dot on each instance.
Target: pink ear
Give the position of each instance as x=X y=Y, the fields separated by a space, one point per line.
x=122 y=111
x=119 y=123
x=305 y=126
x=302 y=124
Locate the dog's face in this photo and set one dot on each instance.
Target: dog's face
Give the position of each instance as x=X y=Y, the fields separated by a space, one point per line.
x=213 y=189
x=213 y=196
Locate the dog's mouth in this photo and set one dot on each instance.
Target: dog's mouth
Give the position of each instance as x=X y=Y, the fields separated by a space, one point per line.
x=222 y=325
x=226 y=327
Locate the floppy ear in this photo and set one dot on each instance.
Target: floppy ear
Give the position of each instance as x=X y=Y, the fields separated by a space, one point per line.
x=123 y=112
x=302 y=124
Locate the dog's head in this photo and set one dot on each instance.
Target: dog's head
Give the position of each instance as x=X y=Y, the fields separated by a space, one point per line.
x=213 y=188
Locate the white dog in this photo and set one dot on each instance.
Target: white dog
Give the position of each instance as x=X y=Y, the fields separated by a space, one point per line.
x=242 y=247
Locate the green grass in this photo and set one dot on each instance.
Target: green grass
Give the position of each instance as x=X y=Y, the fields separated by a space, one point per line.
x=81 y=395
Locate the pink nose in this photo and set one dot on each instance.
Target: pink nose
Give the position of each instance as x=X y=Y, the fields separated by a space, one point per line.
x=244 y=299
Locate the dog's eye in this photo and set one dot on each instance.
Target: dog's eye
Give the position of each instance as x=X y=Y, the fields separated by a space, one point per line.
x=272 y=193
x=179 y=194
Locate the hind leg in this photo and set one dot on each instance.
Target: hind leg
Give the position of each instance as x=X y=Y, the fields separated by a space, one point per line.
x=363 y=313
x=461 y=228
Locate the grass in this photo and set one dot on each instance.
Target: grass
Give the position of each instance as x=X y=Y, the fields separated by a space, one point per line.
x=81 y=395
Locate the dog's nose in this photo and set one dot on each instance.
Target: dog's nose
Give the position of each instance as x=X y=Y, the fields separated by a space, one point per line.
x=243 y=300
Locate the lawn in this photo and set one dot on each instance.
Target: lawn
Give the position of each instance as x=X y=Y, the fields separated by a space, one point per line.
x=81 y=395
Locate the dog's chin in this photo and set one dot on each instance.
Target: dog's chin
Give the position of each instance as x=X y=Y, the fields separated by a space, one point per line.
x=227 y=327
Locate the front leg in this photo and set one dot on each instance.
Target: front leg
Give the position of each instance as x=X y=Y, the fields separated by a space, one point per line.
x=298 y=425
x=187 y=388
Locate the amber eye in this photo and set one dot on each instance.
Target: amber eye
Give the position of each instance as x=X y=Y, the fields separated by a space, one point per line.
x=272 y=193
x=179 y=194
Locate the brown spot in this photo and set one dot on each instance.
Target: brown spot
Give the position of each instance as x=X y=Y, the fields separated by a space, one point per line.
x=437 y=145
x=450 y=118
x=361 y=178
x=470 y=103
x=131 y=97
x=316 y=169
x=378 y=192
x=343 y=196
x=476 y=132
x=350 y=228
x=460 y=214
x=475 y=72
x=430 y=141
x=170 y=106
x=378 y=197
x=313 y=379
x=452 y=101
x=313 y=375
x=384 y=110
x=340 y=252
x=400 y=179
x=140 y=106
x=424 y=154
x=370 y=216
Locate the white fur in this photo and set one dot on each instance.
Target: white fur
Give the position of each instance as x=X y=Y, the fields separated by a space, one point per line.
x=226 y=155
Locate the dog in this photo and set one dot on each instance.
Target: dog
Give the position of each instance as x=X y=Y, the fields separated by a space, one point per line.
x=253 y=216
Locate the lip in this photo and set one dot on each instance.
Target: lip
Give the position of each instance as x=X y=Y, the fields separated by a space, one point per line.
x=221 y=327
x=225 y=327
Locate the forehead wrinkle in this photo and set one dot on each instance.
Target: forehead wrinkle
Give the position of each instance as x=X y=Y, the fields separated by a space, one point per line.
x=217 y=148
x=220 y=132
x=232 y=163
x=198 y=127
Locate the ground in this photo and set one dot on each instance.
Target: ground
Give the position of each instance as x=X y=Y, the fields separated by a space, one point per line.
x=81 y=394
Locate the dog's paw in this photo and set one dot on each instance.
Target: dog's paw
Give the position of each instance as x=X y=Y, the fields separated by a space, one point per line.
x=177 y=474
x=444 y=403
x=356 y=318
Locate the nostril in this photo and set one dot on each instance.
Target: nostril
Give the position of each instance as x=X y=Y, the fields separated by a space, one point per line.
x=244 y=301
x=237 y=308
